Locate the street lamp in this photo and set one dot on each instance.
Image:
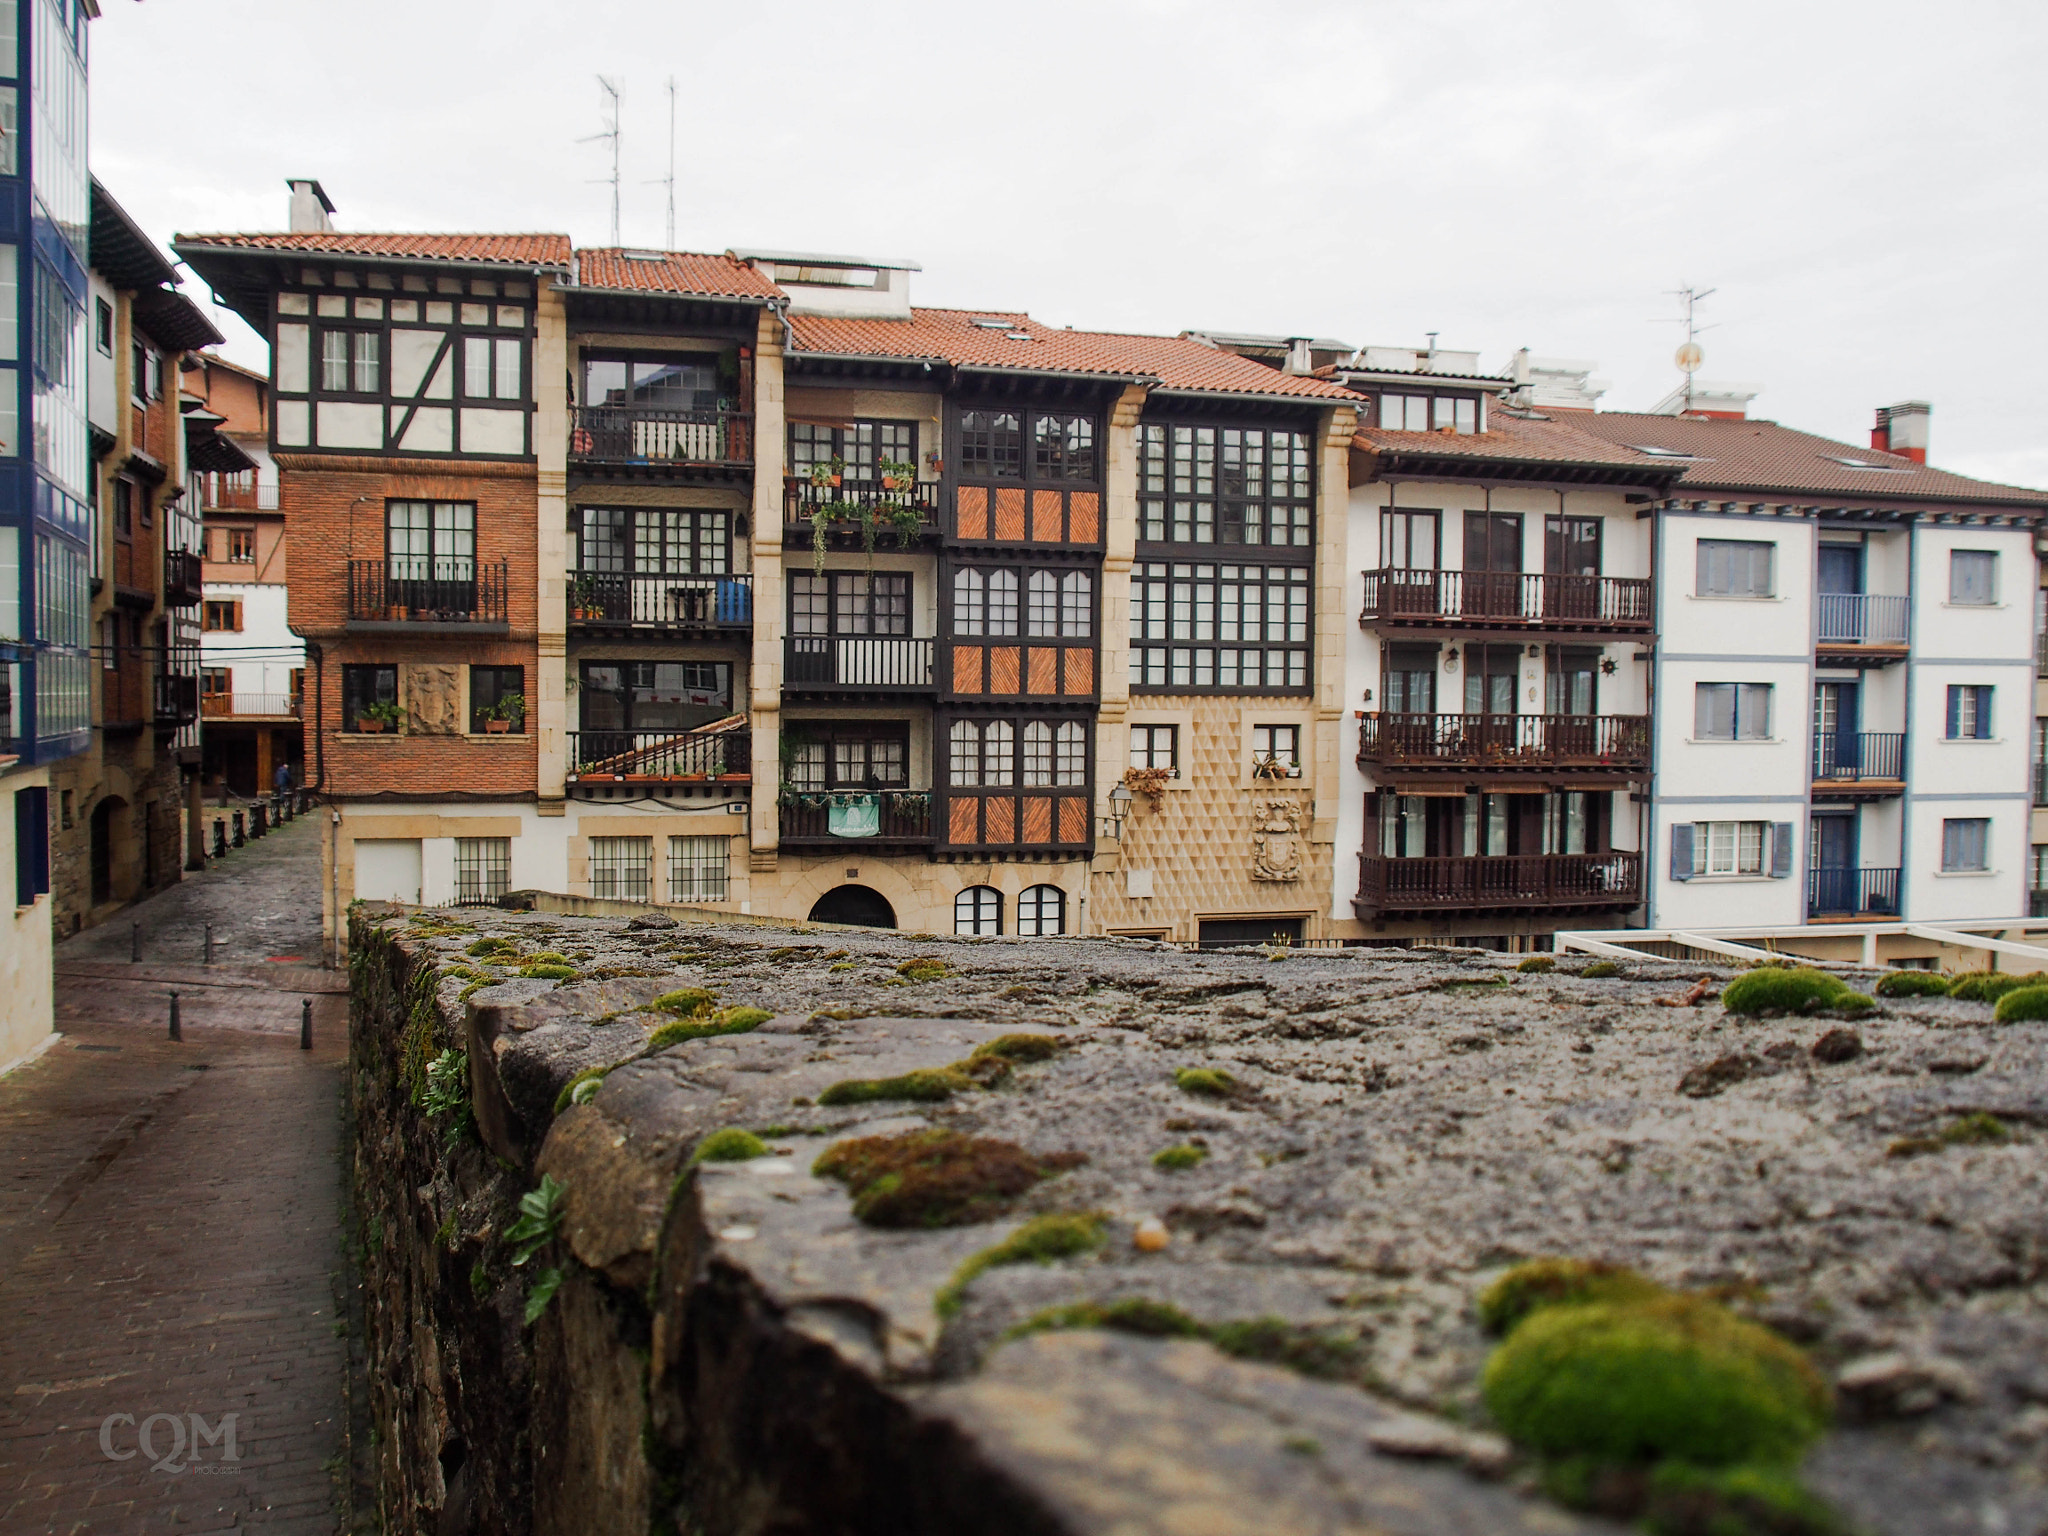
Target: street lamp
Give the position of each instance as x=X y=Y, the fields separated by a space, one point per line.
x=1119 y=805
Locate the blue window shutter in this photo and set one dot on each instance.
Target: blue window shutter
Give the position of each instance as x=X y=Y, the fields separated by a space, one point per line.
x=1955 y=711
x=1781 y=850
x=1681 y=851
x=1984 y=713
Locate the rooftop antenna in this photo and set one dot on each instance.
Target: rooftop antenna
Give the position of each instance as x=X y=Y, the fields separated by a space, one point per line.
x=669 y=180
x=610 y=135
x=1690 y=354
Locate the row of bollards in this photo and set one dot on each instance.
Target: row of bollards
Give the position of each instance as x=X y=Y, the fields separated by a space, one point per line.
x=240 y=828
x=305 y=1022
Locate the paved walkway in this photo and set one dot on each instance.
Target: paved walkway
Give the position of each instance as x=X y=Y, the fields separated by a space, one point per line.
x=170 y=1222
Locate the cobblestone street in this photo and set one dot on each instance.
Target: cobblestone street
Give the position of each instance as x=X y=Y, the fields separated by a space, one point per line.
x=170 y=1221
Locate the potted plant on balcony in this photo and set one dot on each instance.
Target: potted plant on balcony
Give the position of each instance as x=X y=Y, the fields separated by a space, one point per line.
x=584 y=600
x=1270 y=767
x=899 y=506
x=383 y=715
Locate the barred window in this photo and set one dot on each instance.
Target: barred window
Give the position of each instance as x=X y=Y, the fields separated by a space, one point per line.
x=483 y=869
x=1236 y=628
x=622 y=868
x=984 y=602
x=978 y=910
x=1223 y=485
x=1042 y=912
x=698 y=868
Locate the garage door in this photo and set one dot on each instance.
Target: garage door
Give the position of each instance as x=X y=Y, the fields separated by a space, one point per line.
x=388 y=869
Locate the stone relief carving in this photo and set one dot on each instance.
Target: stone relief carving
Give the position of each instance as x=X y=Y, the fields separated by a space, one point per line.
x=433 y=699
x=1277 y=851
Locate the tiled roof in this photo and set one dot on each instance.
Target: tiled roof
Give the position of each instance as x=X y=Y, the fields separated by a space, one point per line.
x=515 y=250
x=1509 y=438
x=685 y=272
x=1751 y=457
x=1007 y=340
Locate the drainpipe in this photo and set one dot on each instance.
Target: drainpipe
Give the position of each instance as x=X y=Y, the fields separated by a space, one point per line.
x=1646 y=813
x=1906 y=723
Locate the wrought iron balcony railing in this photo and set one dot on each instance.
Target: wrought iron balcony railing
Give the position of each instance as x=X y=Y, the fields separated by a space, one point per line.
x=1858 y=757
x=632 y=434
x=1554 y=880
x=407 y=591
x=1506 y=599
x=633 y=601
x=1852 y=893
x=1617 y=742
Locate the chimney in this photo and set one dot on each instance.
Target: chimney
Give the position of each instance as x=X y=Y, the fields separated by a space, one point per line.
x=1902 y=429
x=1300 y=357
x=310 y=207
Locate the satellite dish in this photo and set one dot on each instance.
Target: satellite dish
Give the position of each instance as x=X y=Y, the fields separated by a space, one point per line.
x=1690 y=357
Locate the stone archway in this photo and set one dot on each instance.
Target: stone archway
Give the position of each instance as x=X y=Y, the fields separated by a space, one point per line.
x=105 y=833
x=859 y=905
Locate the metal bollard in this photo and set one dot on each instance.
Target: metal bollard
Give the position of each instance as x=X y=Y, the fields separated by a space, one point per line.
x=175 y=1035
x=259 y=821
x=305 y=1024
x=209 y=943
x=241 y=836
x=134 y=942
x=220 y=838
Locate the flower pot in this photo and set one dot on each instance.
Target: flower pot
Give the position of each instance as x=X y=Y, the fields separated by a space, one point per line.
x=371 y=727
x=497 y=727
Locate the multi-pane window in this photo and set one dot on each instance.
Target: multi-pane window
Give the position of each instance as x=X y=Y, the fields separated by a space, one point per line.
x=1155 y=746
x=1966 y=844
x=215 y=682
x=1042 y=912
x=982 y=754
x=1973 y=577
x=1730 y=847
x=351 y=362
x=483 y=869
x=1054 y=604
x=622 y=868
x=654 y=541
x=664 y=383
x=430 y=540
x=1235 y=628
x=850 y=603
x=497 y=693
x=860 y=446
x=985 y=602
x=698 y=868
x=1731 y=711
x=1426 y=413
x=991 y=445
x=1409 y=540
x=1280 y=744
x=490 y=367
x=220 y=614
x=2037 y=879
x=362 y=687
x=242 y=546
x=822 y=755
x=1734 y=568
x=978 y=910
x=1969 y=712
x=1063 y=447
x=1060 y=605
x=653 y=696
x=1223 y=485
x=1054 y=755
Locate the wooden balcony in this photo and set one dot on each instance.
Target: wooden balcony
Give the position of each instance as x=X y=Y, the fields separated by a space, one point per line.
x=616 y=602
x=184 y=582
x=175 y=699
x=427 y=597
x=851 y=819
x=856 y=663
x=1541 y=882
x=610 y=757
x=249 y=706
x=1861 y=765
x=1506 y=600
x=643 y=441
x=844 y=504
x=1608 y=744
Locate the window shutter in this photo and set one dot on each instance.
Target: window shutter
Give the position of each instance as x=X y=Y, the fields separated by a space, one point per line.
x=1955 y=711
x=1984 y=713
x=1681 y=850
x=1781 y=850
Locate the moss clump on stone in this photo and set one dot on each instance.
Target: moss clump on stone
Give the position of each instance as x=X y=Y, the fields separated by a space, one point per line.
x=928 y=1085
x=1020 y=1048
x=936 y=1178
x=575 y=1091
x=1601 y=968
x=1186 y=1155
x=2022 y=1003
x=1537 y=964
x=1637 y=1382
x=1773 y=989
x=1991 y=986
x=1910 y=984
x=922 y=968
x=489 y=948
x=1538 y=1283
x=685 y=1002
x=728 y=1021
x=1205 y=1082
x=844 y=965
x=547 y=957
x=731 y=1145
x=1268 y=1340
x=545 y=972
x=1129 y=1314
x=1975 y=1129
x=1685 y=1500
x=1040 y=1240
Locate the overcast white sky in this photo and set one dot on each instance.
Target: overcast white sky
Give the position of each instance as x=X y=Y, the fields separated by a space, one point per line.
x=1862 y=182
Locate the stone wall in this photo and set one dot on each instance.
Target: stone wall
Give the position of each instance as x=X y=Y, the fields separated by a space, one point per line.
x=732 y=1351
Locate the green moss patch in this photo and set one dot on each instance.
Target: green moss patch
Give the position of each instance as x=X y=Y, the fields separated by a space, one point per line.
x=1207 y=1082
x=1601 y=968
x=1268 y=1340
x=928 y=1085
x=1637 y=1382
x=547 y=957
x=1130 y=1314
x=2022 y=1003
x=731 y=1145
x=923 y=968
x=1020 y=1048
x=1537 y=964
x=728 y=1021
x=1186 y=1155
x=1529 y=1287
x=1910 y=984
x=580 y=1088
x=685 y=1002
x=490 y=948
x=1683 y=1500
x=1977 y=1129
x=1771 y=989
x=544 y=972
x=1991 y=986
x=936 y=1178
x=1041 y=1240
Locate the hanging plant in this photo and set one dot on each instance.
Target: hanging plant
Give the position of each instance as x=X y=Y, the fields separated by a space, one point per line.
x=1149 y=782
x=819 y=516
x=827 y=474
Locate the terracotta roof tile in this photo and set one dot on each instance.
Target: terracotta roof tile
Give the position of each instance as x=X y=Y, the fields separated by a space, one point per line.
x=1510 y=438
x=517 y=250
x=1750 y=457
x=1007 y=340
x=684 y=272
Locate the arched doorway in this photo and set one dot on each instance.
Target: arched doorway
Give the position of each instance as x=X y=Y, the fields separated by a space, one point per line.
x=855 y=904
x=103 y=847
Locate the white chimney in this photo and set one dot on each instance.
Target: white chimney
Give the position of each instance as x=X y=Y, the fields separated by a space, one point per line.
x=310 y=207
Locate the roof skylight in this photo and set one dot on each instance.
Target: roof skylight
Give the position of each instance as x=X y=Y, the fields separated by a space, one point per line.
x=1666 y=453
x=1882 y=469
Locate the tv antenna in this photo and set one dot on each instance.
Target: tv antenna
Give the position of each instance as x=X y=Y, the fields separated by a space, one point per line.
x=669 y=180
x=610 y=135
x=1690 y=354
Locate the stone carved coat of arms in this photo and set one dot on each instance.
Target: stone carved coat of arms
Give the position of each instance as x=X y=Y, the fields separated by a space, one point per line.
x=1277 y=852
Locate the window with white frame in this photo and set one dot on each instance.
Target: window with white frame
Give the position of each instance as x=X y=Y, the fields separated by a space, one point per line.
x=985 y=602
x=1965 y=844
x=1061 y=605
x=1735 y=568
x=1732 y=711
x=997 y=754
x=698 y=868
x=1731 y=847
x=982 y=754
x=1973 y=577
x=1220 y=628
x=1277 y=744
x=978 y=910
x=1055 y=756
x=491 y=367
x=483 y=869
x=1042 y=912
x=622 y=868
x=1155 y=746
x=1969 y=712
